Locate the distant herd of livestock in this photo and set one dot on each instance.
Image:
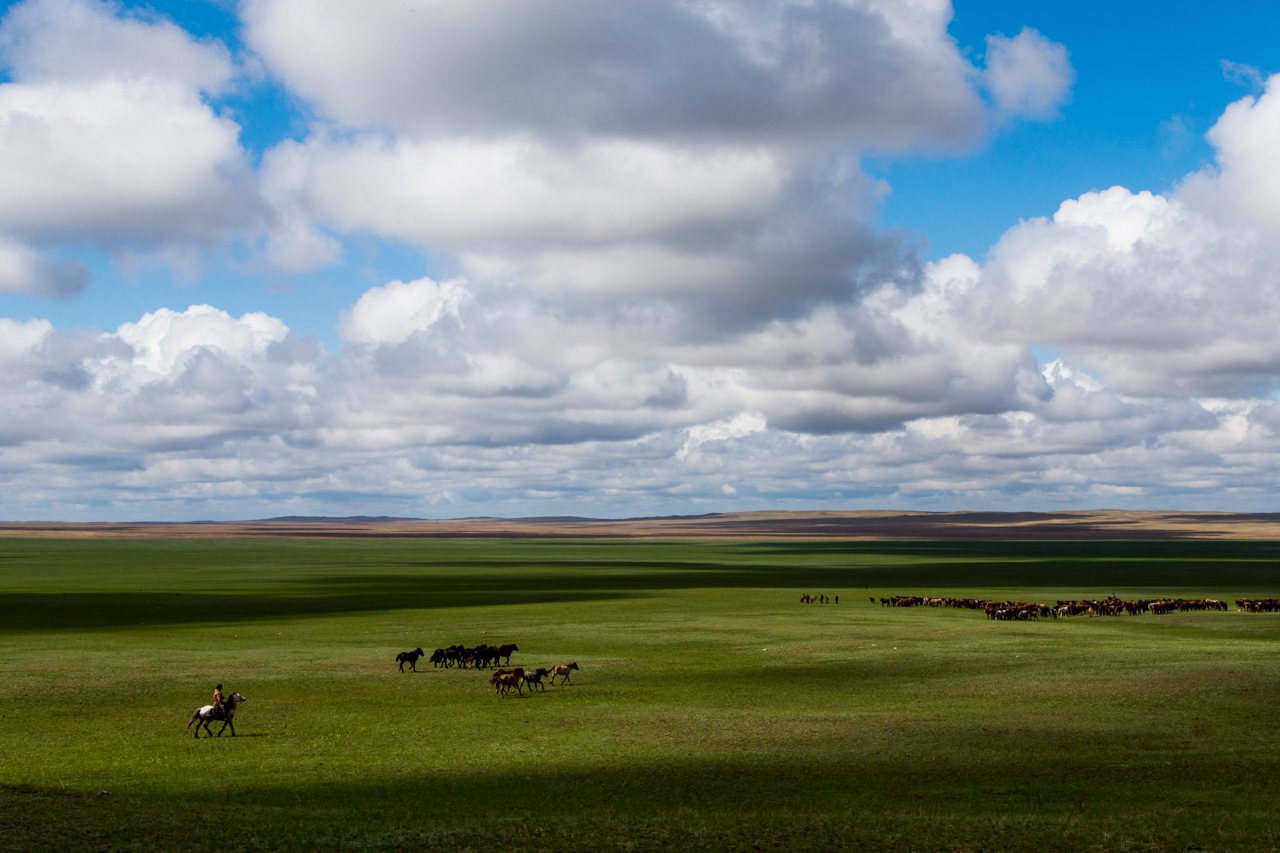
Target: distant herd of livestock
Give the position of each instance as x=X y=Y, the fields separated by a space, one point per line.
x=485 y=656
x=1110 y=606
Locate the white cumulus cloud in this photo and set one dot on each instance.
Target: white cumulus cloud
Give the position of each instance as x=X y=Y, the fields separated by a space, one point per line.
x=23 y=270
x=393 y=312
x=882 y=73
x=703 y=152
x=1028 y=74
x=105 y=138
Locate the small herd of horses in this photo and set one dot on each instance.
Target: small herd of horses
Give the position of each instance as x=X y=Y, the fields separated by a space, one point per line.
x=480 y=657
x=504 y=679
x=486 y=656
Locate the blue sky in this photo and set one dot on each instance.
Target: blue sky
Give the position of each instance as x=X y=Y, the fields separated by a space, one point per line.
x=1149 y=83
x=675 y=285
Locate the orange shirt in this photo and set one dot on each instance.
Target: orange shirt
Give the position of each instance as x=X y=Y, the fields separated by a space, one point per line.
x=217 y=698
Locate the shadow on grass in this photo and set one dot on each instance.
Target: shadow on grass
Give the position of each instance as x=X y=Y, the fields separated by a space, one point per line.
x=1103 y=566
x=93 y=611
x=958 y=781
x=1160 y=565
x=34 y=819
x=284 y=580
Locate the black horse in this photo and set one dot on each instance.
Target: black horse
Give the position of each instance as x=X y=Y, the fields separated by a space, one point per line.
x=410 y=658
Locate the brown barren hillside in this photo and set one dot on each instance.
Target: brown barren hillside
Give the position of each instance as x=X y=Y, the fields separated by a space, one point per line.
x=871 y=524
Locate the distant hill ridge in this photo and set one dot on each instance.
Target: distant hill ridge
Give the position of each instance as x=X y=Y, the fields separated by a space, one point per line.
x=776 y=525
x=533 y=519
x=332 y=519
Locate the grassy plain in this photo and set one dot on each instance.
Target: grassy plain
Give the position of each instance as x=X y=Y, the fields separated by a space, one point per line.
x=712 y=710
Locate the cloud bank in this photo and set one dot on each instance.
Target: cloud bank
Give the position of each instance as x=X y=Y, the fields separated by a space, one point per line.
x=664 y=287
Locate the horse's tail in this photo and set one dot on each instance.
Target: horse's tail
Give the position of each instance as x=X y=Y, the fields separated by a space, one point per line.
x=195 y=715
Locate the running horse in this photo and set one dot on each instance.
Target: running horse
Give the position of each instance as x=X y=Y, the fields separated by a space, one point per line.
x=410 y=658
x=562 y=669
x=203 y=716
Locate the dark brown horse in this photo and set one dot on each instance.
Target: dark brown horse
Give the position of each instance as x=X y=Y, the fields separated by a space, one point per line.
x=410 y=658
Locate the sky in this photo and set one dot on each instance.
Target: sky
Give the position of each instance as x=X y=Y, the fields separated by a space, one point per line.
x=437 y=258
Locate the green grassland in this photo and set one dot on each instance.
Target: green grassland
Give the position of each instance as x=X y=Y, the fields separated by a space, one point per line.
x=711 y=711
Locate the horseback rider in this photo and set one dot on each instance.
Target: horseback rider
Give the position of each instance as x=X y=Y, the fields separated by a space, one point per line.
x=220 y=711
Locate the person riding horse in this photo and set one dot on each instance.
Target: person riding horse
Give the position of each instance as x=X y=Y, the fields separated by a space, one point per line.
x=201 y=717
x=217 y=703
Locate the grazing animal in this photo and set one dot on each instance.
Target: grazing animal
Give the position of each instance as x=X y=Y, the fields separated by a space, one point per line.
x=202 y=716
x=535 y=678
x=504 y=681
x=562 y=669
x=410 y=658
x=504 y=651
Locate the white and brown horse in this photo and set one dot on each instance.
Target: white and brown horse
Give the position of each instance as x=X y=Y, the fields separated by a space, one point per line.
x=211 y=713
